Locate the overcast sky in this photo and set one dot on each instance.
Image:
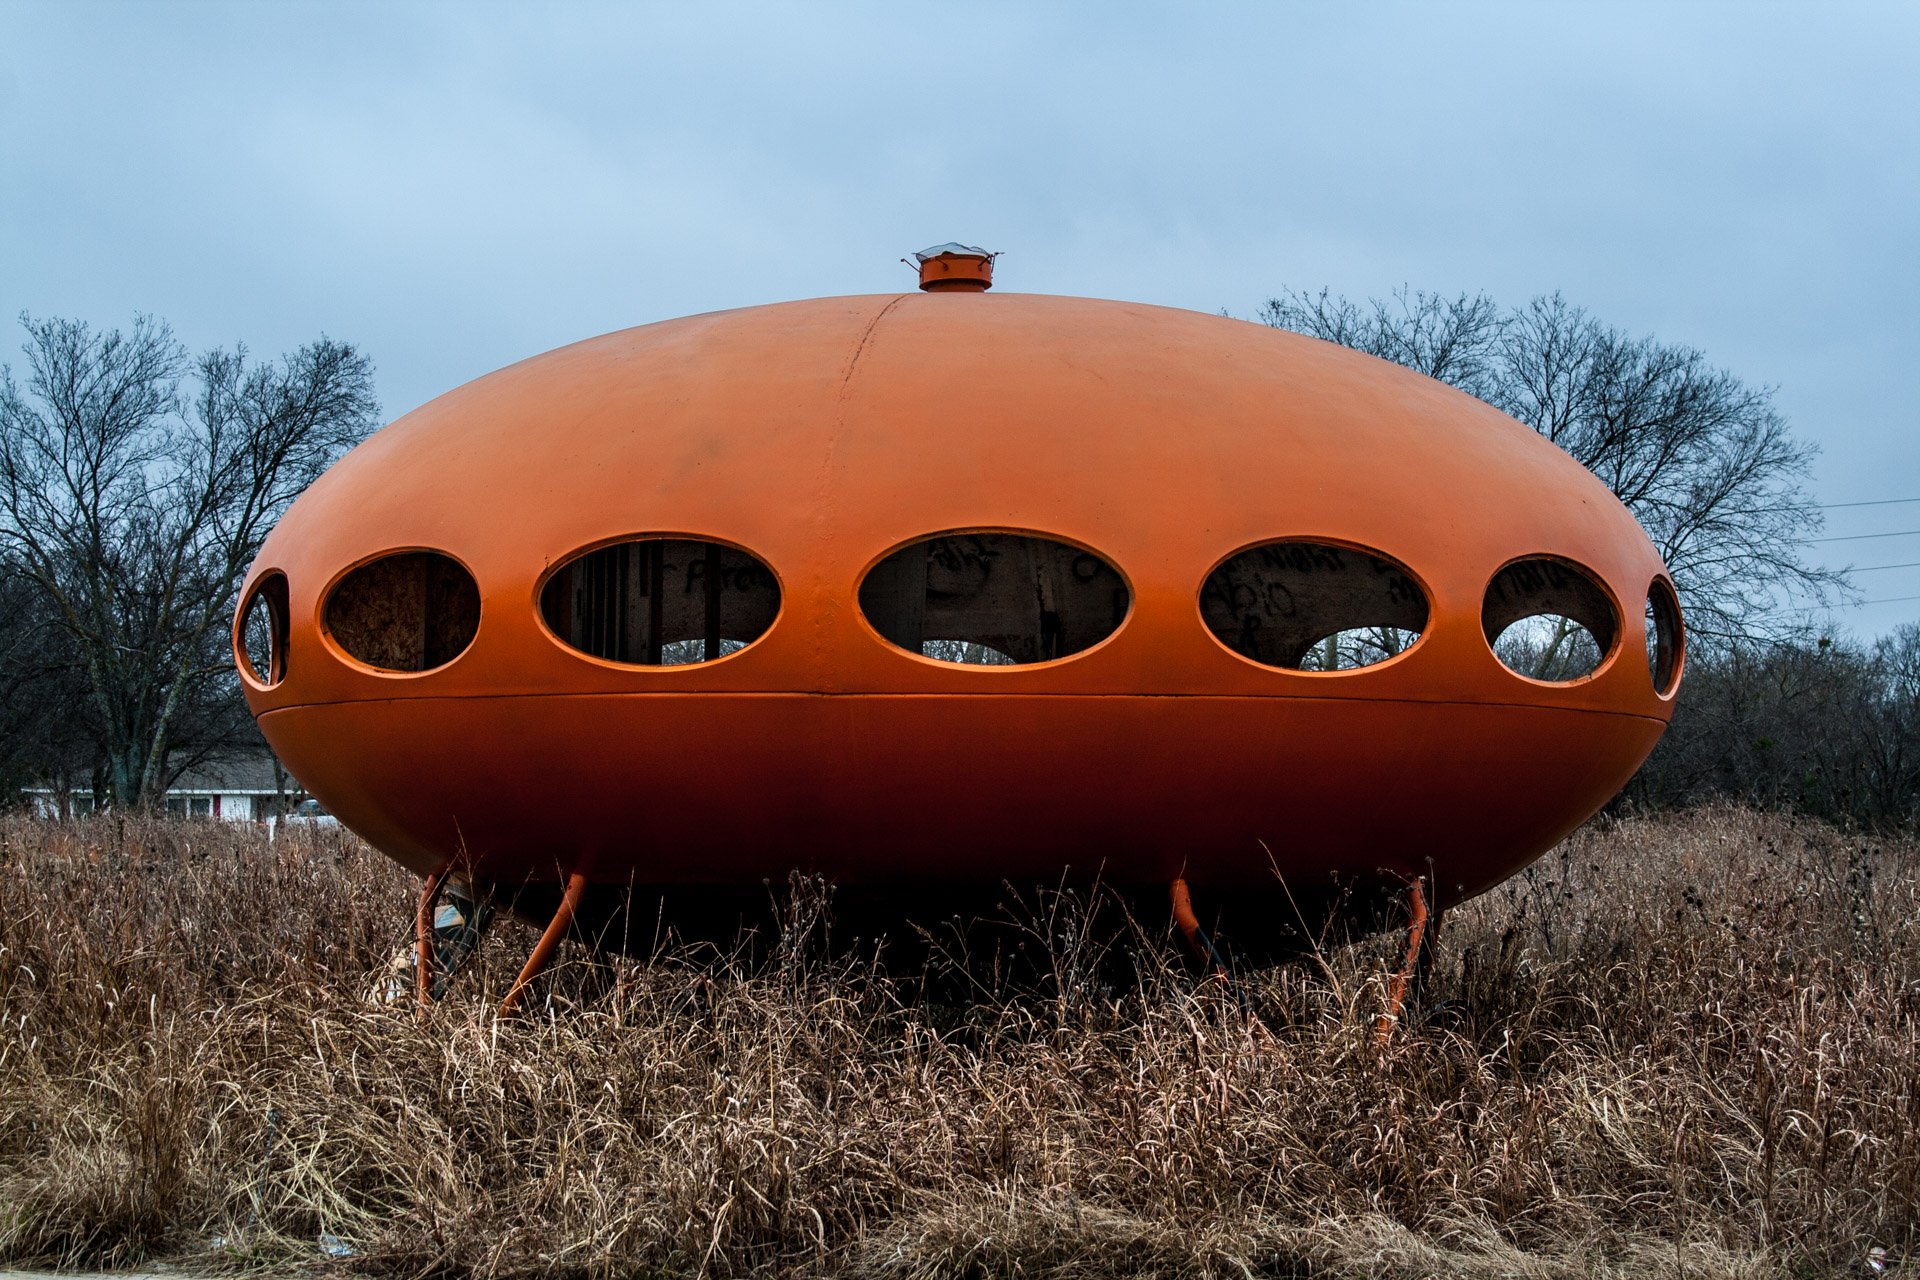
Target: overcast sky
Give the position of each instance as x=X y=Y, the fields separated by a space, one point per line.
x=457 y=187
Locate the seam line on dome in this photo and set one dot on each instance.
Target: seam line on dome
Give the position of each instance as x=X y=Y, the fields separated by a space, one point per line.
x=762 y=693
x=860 y=348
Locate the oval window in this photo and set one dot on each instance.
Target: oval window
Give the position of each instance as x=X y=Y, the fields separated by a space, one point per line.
x=994 y=599
x=1313 y=606
x=1666 y=640
x=1549 y=619
x=411 y=611
x=261 y=637
x=660 y=602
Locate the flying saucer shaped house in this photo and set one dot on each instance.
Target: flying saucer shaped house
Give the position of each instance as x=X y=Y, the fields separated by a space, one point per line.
x=931 y=591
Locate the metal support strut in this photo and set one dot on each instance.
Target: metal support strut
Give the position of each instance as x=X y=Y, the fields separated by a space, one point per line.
x=1203 y=947
x=549 y=942
x=423 y=935
x=1416 y=941
x=1195 y=935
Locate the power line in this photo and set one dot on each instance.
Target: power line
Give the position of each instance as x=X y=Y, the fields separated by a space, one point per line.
x=1883 y=502
x=1861 y=537
x=1870 y=568
x=1889 y=600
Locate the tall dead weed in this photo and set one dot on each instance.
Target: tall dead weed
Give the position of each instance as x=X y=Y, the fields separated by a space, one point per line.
x=1675 y=1046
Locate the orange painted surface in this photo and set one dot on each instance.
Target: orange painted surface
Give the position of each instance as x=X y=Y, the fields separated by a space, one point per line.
x=957 y=273
x=821 y=436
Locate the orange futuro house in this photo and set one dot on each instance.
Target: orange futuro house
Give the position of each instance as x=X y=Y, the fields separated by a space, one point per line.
x=927 y=592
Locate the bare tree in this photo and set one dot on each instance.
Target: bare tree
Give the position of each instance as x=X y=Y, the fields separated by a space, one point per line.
x=1822 y=726
x=1453 y=339
x=136 y=484
x=1705 y=463
x=39 y=686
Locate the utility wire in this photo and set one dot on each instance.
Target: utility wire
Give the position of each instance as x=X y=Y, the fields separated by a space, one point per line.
x=1883 y=502
x=1870 y=568
x=1861 y=537
x=1889 y=600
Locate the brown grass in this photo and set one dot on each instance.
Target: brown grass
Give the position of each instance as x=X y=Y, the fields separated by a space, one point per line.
x=1677 y=1046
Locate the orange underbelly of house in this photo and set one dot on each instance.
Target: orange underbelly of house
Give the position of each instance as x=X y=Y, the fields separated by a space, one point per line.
x=736 y=789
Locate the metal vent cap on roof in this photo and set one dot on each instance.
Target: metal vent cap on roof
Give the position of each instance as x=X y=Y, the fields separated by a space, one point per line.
x=953 y=249
x=955 y=268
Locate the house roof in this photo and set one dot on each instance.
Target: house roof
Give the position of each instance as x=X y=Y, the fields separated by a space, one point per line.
x=231 y=774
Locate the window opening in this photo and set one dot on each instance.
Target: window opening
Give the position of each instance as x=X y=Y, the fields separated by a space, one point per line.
x=413 y=611
x=1549 y=619
x=994 y=599
x=1313 y=606
x=1666 y=640
x=661 y=602
x=263 y=630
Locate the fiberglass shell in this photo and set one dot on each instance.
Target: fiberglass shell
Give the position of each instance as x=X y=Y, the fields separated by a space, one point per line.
x=818 y=438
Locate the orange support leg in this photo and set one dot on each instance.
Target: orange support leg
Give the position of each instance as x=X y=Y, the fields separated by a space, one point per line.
x=1203 y=947
x=1416 y=940
x=1190 y=926
x=423 y=935
x=549 y=942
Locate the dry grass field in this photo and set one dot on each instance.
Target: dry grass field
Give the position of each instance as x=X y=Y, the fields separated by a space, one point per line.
x=1683 y=1046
